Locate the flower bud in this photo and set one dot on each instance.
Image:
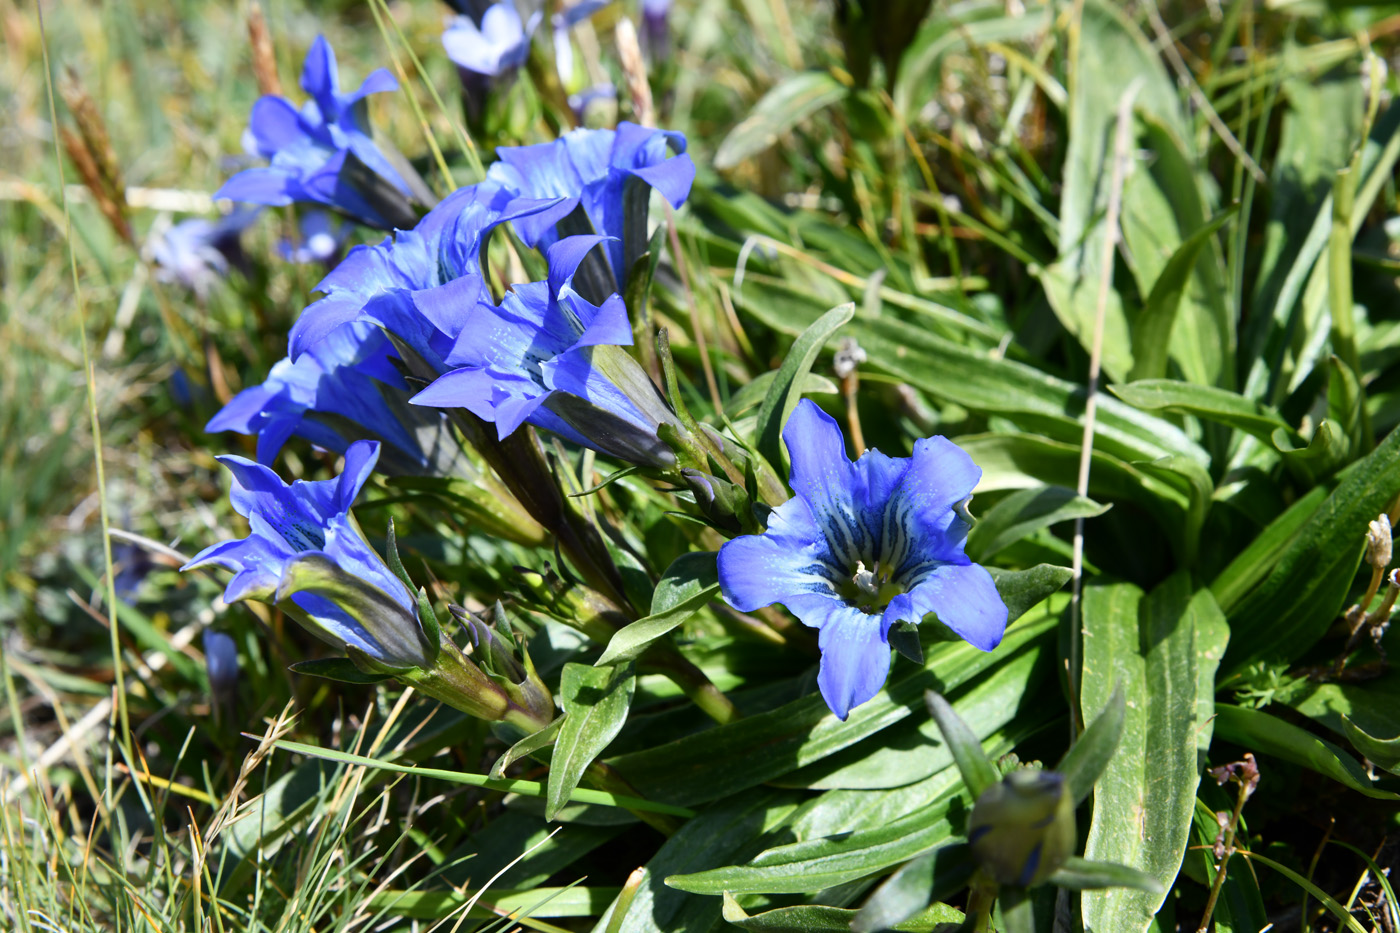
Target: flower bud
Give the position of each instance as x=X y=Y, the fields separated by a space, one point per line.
x=1378 y=542
x=1022 y=829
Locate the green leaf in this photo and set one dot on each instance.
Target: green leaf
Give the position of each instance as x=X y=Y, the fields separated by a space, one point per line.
x=572 y=901
x=1253 y=565
x=1022 y=589
x=1023 y=513
x=814 y=918
x=1085 y=761
x=1200 y=493
x=1341 y=913
x=1207 y=403
x=1383 y=753
x=752 y=393
x=528 y=746
x=781 y=109
x=341 y=669
x=1259 y=732
x=504 y=785
x=684 y=589
x=1147 y=644
x=977 y=770
x=785 y=391
x=901 y=896
x=596 y=701
x=1304 y=592
x=1083 y=875
x=813 y=865
x=1015 y=911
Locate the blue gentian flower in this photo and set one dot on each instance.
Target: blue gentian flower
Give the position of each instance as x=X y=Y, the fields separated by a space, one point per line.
x=422 y=283
x=220 y=662
x=321 y=236
x=494 y=45
x=345 y=388
x=862 y=546
x=309 y=150
x=197 y=252
x=306 y=552
x=540 y=357
x=606 y=174
x=598 y=94
x=564 y=22
x=656 y=30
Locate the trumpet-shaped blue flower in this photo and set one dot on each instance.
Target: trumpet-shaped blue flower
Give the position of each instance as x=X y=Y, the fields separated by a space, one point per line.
x=537 y=357
x=495 y=44
x=606 y=175
x=305 y=547
x=309 y=148
x=197 y=252
x=862 y=546
x=421 y=283
x=345 y=388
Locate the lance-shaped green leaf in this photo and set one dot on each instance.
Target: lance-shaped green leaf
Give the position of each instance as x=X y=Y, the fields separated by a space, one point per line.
x=1083 y=763
x=781 y=109
x=399 y=640
x=1022 y=589
x=1207 y=403
x=688 y=585
x=1023 y=513
x=816 y=918
x=1144 y=801
x=785 y=391
x=902 y=900
x=977 y=770
x=596 y=701
x=1384 y=753
x=1083 y=875
x=341 y=669
x=530 y=744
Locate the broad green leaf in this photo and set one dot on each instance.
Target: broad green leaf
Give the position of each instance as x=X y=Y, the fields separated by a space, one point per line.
x=1023 y=513
x=684 y=589
x=781 y=109
x=1147 y=643
x=1177 y=264
x=814 y=918
x=1262 y=733
x=505 y=785
x=1212 y=638
x=1370 y=709
x=785 y=391
x=741 y=754
x=1002 y=708
x=977 y=770
x=804 y=867
x=901 y=902
x=596 y=701
x=1083 y=875
x=1015 y=913
x=1200 y=489
x=1085 y=761
x=1293 y=607
x=727 y=832
x=1206 y=402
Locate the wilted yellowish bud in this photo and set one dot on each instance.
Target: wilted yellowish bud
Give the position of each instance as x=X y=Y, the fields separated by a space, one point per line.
x=1378 y=543
x=1022 y=829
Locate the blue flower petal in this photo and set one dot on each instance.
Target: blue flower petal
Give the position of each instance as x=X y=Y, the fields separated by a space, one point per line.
x=855 y=659
x=964 y=598
x=319 y=76
x=274 y=124
x=787 y=562
x=269 y=186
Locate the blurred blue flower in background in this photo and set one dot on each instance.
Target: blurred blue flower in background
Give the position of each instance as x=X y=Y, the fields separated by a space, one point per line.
x=198 y=252
x=306 y=553
x=323 y=153
x=345 y=388
x=656 y=28
x=536 y=358
x=605 y=177
x=497 y=43
x=220 y=662
x=862 y=546
x=320 y=238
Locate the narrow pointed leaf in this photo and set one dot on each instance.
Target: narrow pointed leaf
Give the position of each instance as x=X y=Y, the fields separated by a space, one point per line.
x=1083 y=875
x=978 y=772
x=783 y=395
x=341 y=669
x=1083 y=763
x=528 y=746
x=688 y=585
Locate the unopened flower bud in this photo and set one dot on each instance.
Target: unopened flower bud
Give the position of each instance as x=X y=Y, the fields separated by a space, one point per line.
x=1378 y=542
x=1022 y=829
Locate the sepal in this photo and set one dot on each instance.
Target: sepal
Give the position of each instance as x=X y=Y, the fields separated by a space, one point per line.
x=343 y=670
